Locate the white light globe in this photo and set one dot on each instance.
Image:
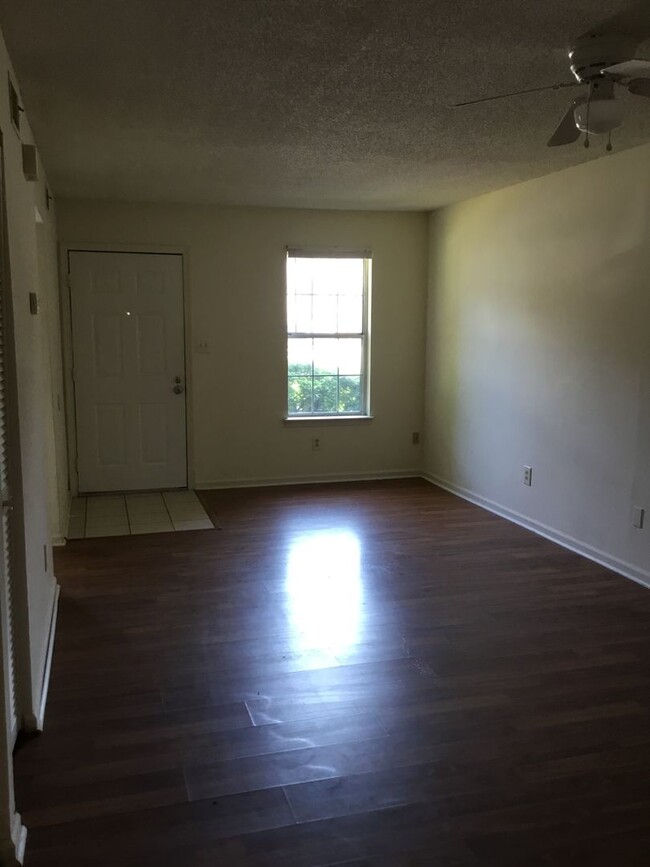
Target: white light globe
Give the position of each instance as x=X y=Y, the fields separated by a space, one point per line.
x=599 y=117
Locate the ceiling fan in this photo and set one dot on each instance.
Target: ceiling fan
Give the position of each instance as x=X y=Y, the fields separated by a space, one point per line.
x=601 y=61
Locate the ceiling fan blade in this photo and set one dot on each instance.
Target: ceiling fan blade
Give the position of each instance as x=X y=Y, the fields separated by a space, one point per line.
x=518 y=93
x=633 y=21
x=639 y=86
x=629 y=69
x=566 y=131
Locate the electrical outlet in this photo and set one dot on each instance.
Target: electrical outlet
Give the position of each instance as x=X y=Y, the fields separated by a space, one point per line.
x=315 y=444
x=416 y=438
x=638 y=515
x=203 y=347
x=528 y=476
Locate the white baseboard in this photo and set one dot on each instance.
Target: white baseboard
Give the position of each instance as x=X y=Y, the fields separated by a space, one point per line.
x=19 y=838
x=12 y=848
x=58 y=541
x=622 y=567
x=35 y=722
x=307 y=480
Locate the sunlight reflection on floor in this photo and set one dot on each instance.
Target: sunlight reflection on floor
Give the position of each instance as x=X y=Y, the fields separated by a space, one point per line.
x=325 y=590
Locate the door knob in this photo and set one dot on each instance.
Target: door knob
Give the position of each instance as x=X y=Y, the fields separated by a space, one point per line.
x=178 y=389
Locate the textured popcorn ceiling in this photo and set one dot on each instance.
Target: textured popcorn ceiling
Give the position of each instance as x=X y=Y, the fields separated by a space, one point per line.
x=309 y=103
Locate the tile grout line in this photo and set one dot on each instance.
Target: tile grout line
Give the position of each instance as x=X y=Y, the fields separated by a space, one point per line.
x=128 y=517
x=171 y=520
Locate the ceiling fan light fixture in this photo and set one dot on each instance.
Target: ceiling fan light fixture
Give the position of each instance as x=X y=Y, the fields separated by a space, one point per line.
x=599 y=116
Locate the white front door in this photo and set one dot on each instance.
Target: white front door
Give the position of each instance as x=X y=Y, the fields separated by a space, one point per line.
x=129 y=370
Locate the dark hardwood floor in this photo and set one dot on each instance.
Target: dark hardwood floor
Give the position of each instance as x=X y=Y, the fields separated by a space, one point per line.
x=363 y=674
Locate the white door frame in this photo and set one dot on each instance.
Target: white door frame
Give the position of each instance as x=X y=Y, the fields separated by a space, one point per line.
x=66 y=332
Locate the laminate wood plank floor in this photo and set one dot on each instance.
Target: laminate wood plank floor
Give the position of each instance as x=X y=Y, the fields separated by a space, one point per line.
x=369 y=674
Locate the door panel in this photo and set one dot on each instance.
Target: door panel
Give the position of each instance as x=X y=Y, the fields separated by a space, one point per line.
x=154 y=436
x=108 y=348
x=151 y=345
x=111 y=435
x=128 y=347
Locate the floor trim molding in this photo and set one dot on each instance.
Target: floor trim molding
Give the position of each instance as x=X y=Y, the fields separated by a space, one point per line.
x=307 y=480
x=622 y=567
x=35 y=722
x=12 y=851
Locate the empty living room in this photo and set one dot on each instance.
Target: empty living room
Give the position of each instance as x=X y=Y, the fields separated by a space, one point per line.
x=325 y=433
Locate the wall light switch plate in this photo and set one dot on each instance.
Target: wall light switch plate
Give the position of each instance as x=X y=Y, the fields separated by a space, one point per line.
x=33 y=303
x=638 y=514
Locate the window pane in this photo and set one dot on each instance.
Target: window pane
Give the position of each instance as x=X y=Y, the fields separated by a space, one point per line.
x=300 y=394
x=302 y=306
x=328 y=276
x=326 y=374
x=350 y=355
x=338 y=276
x=324 y=318
x=299 y=276
x=325 y=274
x=291 y=312
x=326 y=351
x=349 y=394
x=350 y=314
x=300 y=353
x=350 y=277
x=322 y=282
x=325 y=393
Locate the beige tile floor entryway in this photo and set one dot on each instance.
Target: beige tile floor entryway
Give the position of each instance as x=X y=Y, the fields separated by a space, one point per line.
x=133 y=514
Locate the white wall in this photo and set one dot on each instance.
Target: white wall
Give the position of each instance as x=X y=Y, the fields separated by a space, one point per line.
x=34 y=349
x=539 y=352
x=235 y=287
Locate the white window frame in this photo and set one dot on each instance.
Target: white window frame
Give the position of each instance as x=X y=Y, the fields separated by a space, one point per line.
x=364 y=334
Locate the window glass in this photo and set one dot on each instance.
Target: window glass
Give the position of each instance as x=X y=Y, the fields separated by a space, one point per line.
x=327 y=340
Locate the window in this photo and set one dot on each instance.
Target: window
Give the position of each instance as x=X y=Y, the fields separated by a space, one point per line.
x=328 y=299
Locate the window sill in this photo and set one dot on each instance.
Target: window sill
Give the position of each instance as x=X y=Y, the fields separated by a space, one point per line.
x=327 y=420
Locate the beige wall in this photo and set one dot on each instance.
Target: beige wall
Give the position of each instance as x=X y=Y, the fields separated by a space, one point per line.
x=34 y=350
x=235 y=289
x=539 y=353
